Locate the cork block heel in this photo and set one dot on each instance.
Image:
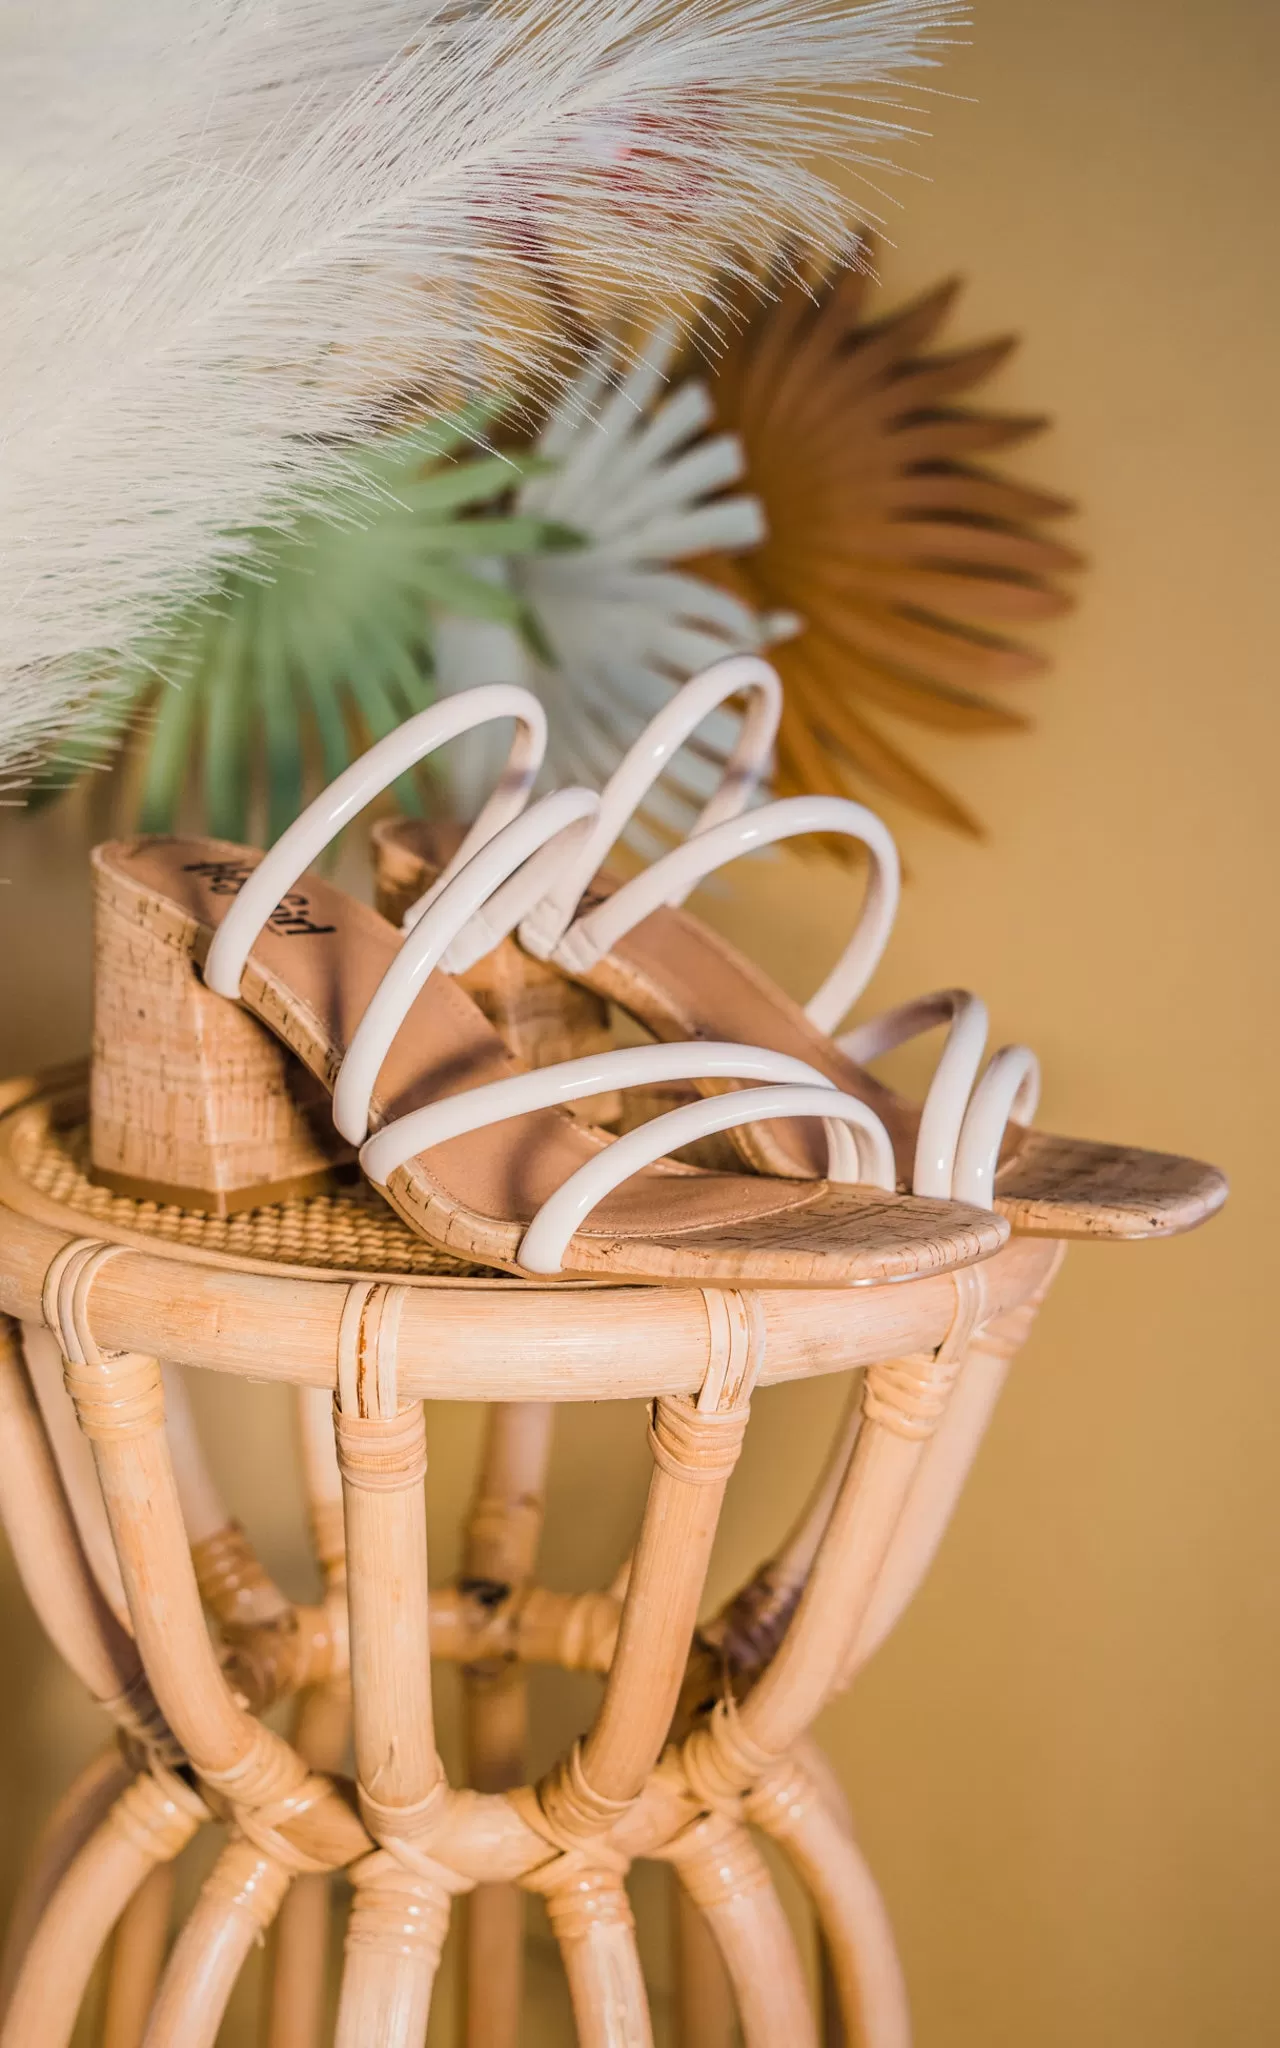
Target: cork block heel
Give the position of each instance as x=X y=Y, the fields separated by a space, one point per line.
x=192 y=1100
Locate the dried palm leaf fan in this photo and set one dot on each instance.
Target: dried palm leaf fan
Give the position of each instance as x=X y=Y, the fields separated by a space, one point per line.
x=909 y=568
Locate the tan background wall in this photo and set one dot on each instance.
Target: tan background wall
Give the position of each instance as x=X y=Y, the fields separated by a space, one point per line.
x=1065 y=1766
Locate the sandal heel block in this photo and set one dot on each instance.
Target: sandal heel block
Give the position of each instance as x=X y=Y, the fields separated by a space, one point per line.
x=192 y=1101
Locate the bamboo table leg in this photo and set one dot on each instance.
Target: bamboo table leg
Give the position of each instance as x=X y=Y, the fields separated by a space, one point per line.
x=80 y=1811
x=394 y=1937
x=903 y=1402
x=237 y=1904
x=402 y=1902
x=153 y=1819
x=705 y=2009
x=504 y=1526
x=726 y=1878
x=88 y=1873
x=74 y=1460
x=948 y=1461
x=300 y=1938
x=54 y=1569
x=294 y=1821
x=879 y=1529
x=300 y=1944
x=870 y=1990
x=590 y=1917
x=137 y=1958
x=695 y=1447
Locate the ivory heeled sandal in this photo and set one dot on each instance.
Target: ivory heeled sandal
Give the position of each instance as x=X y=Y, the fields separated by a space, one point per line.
x=631 y=943
x=201 y=944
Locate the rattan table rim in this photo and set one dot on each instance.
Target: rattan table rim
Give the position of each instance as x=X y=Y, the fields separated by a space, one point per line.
x=461 y=1338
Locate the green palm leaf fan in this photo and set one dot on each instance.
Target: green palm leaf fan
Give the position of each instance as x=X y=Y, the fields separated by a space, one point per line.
x=317 y=640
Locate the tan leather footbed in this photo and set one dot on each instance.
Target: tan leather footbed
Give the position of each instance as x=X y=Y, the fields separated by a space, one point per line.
x=310 y=977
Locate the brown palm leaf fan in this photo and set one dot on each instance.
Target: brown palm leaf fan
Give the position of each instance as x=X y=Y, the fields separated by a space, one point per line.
x=907 y=566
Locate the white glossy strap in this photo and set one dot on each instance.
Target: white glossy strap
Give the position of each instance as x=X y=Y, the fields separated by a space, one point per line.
x=632 y=1066
x=543 y=1246
x=952 y=1084
x=1009 y=1088
x=793 y=1088
x=357 y=786
x=740 y=675
x=669 y=880
x=467 y=909
x=961 y=1126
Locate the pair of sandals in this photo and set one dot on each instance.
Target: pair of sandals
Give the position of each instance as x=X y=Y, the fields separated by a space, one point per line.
x=833 y=1179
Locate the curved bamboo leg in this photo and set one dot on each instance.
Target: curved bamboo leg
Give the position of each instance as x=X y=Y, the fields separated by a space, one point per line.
x=300 y=1940
x=871 y=1993
x=237 y=1903
x=137 y=1958
x=120 y=1402
x=122 y=1410
x=299 y=1946
x=903 y=1401
x=947 y=1464
x=817 y=1767
x=504 y=1526
x=591 y=1919
x=395 y=1932
x=877 y=1531
x=302 y=1823
x=277 y=1647
x=297 y=1972
x=151 y=1821
x=748 y=1630
x=705 y=2012
x=726 y=1877
x=402 y=1899
x=74 y=1460
x=695 y=1446
x=80 y=1811
x=493 y=1914
x=52 y=1565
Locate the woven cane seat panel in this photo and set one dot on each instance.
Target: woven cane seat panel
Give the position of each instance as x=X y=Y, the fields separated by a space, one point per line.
x=45 y=1146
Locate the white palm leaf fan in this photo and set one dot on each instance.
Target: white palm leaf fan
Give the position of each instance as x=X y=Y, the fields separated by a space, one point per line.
x=624 y=623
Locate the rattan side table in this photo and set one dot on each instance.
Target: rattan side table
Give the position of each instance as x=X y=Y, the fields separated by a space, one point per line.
x=701 y=1737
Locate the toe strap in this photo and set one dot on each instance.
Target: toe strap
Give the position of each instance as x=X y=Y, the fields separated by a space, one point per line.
x=963 y=1121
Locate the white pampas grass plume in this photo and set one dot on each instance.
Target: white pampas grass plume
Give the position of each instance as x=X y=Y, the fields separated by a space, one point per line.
x=235 y=232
